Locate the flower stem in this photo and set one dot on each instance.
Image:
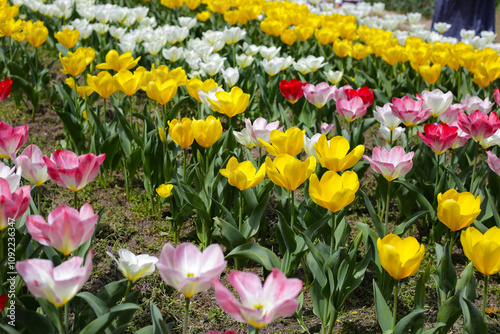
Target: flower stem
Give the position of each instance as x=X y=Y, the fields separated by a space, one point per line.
x=66 y=318
x=292 y=198
x=437 y=171
x=474 y=168
x=38 y=200
x=75 y=199
x=387 y=199
x=186 y=317
x=129 y=285
x=394 y=311
x=184 y=169
x=485 y=294
x=62 y=330
x=332 y=235
x=241 y=211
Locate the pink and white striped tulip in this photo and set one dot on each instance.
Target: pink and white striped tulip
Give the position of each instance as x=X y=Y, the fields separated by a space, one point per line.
x=11 y=139
x=261 y=129
x=351 y=109
x=259 y=304
x=58 y=285
x=12 y=204
x=327 y=128
x=493 y=162
x=479 y=125
x=320 y=94
x=341 y=93
x=189 y=270
x=390 y=164
x=410 y=112
x=71 y=171
x=66 y=229
x=32 y=166
x=10 y=175
x=439 y=137
x=438 y=101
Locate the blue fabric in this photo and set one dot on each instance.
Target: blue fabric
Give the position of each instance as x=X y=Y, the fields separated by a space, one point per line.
x=475 y=15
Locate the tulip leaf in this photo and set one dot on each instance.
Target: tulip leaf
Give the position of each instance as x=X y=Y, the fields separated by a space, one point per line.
x=146 y=330
x=33 y=321
x=374 y=216
x=415 y=317
x=159 y=325
x=257 y=253
x=100 y=308
x=384 y=315
x=9 y=329
x=126 y=316
x=113 y=292
x=74 y=129
x=103 y=321
x=473 y=320
x=459 y=185
x=230 y=233
x=404 y=226
x=52 y=255
x=50 y=311
x=420 y=197
x=252 y=225
x=420 y=290
x=110 y=147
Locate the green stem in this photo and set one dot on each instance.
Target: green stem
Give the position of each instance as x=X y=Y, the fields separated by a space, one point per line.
x=256 y=330
x=332 y=235
x=130 y=111
x=66 y=317
x=184 y=167
x=241 y=211
x=387 y=199
x=129 y=285
x=437 y=171
x=75 y=199
x=62 y=330
x=474 y=168
x=292 y=198
x=485 y=294
x=394 y=311
x=260 y=155
x=104 y=112
x=38 y=200
x=186 y=317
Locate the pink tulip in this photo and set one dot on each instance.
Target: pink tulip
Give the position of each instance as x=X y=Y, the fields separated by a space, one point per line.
x=462 y=137
x=320 y=94
x=58 y=285
x=341 y=93
x=439 y=137
x=410 y=111
x=327 y=128
x=10 y=175
x=66 y=229
x=496 y=94
x=385 y=116
x=71 y=171
x=479 y=125
x=391 y=164
x=351 y=109
x=473 y=103
x=493 y=162
x=189 y=270
x=260 y=129
x=451 y=114
x=12 y=204
x=11 y=139
x=32 y=166
x=259 y=304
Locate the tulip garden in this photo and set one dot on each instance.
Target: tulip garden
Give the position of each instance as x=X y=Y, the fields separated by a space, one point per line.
x=246 y=166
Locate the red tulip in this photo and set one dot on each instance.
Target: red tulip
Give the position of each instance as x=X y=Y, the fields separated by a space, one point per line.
x=364 y=93
x=11 y=139
x=439 y=137
x=3 y=300
x=5 y=88
x=479 y=125
x=292 y=90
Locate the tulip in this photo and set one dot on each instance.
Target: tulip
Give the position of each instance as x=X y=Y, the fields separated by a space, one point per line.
x=493 y=162
x=134 y=266
x=58 y=285
x=292 y=90
x=161 y=92
x=390 y=164
x=129 y=82
x=334 y=191
x=203 y=16
x=351 y=109
x=458 y=210
x=36 y=33
x=473 y=103
x=430 y=74
x=496 y=94
x=410 y=112
x=10 y=176
x=289 y=172
x=439 y=137
x=259 y=304
x=261 y=130
x=73 y=65
x=87 y=53
x=462 y=137
x=273 y=66
x=165 y=190
x=66 y=229
x=71 y=171
x=385 y=116
x=13 y=204
x=32 y=166
x=451 y=114
x=231 y=76
x=391 y=136
x=181 y=132
x=117 y=62
x=320 y=94
x=11 y=139
x=333 y=155
x=243 y=175
x=67 y=37
x=290 y=142
x=4 y=298
x=334 y=76
x=309 y=145
x=438 y=101
x=230 y=104
x=479 y=125
x=207 y=132
x=327 y=128
x=195 y=86
x=364 y=93
x=5 y=88
x=103 y=84
x=401 y=258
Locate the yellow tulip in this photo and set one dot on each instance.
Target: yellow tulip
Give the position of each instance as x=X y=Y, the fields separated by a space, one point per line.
x=430 y=74
x=290 y=142
x=193 y=85
x=482 y=249
x=10 y=27
x=88 y=53
x=203 y=16
x=289 y=172
x=165 y=190
x=458 y=210
x=178 y=75
x=192 y=4
x=219 y=6
x=204 y=86
x=401 y=258
x=360 y=51
x=288 y=37
x=67 y=37
x=36 y=34
x=172 y=3
x=342 y=48
x=326 y=36
x=163 y=137
x=103 y=84
x=161 y=92
x=333 y=192
x=81 y=90
x=207 y=132
x=272 y=27
x=243 y=175
x=181 y=132
x=333 y=154
x=73 y=65
x=117 y=62
x=303 y=32
x=230 y=104
x=391 y=55
x=127 y=82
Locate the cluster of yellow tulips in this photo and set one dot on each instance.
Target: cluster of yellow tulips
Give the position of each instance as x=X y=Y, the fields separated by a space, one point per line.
x=19 y=30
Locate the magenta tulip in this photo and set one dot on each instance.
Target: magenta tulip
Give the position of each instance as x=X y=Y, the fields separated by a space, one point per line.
x=479 y=125
x=259 y=304
x=391 y=164
x=11 y=139
x=439 y=137
x=493 y=162
x=351 y=109
x=66 y=229
x=32 y=166
x=320 y=94
x=189 y=270
x=12 y=204
x=58 y=285
x=410 y=111
x=496 y=94
x=71 y=171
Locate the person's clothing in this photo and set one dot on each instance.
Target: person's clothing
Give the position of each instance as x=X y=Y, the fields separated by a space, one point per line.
x=475 y=15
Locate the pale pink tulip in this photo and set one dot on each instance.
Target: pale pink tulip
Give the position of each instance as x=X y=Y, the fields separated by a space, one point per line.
x=385 y=116
x=351 y=109
x=71 y=171
x=11 y=139
x=410 y=111
x=451 y=114
x=462 y=137
x=32 y=166
x=66 y=229
x=479 y=125
x=260 y=129
x=12 y=204
x=259 y=304
x=327 y=128
x=473 y=103
x=391 y=164
x=341 y=93
x=438 y=101
x=493 y=162
x=189 y=270
x=58 y=285
x=320 y=94
x=10 y=175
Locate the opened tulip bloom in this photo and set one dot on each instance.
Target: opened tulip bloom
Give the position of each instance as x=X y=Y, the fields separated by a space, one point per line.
x=364 y=93
x=409 y=111
x=333 y=155
x=401 y=258
x=230 y=104
x=165 y=190
x=189 y=270
x=71 y=171
x=32 y=166
x=390 y=164
x=438 y=101
x=493 y=162
x=207 y=132
x=73 y=65
x=5 y=88
x=482 y=249
x=479 y=125
x=134 y=266
x=320 y=94
x=439 y=137
x=129 y=82
x=289 y=172
x=161 y=92
x=67 y=37
x=58 y=285
x=458 y=210
x=290 y=142
x=12 y=204
x=351 y=109
x=117 y=62
x=259 y=305
x=181 y=132
x=103 y=84
x=334 y=191
x=11 y=139
x=243 y=175
x=292 y=90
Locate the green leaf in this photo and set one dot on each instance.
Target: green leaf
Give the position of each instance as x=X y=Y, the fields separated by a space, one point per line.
x=252 y=225
x=35 y=322
x=420 y=197
x=159 y=326
x=373 y=214
x=384 y=315
x=100 y=308
x=230 y=233
x=403 y=325
x=420 y=291
x=146 y=330
x=404 y=226
x=473 y=319
x=257 y=253
x=75 y=129
x=50 y=311
x=9 y=329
